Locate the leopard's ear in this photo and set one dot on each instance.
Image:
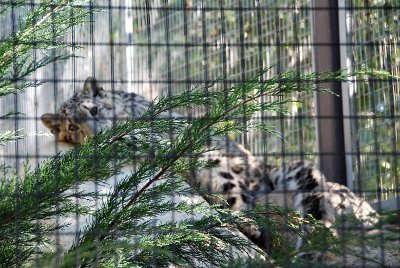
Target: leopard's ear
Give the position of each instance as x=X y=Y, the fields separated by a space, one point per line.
x=51 y=121
x=92 y=87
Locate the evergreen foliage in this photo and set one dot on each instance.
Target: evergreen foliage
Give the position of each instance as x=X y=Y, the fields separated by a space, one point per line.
x=123 y=232
x=34 y=37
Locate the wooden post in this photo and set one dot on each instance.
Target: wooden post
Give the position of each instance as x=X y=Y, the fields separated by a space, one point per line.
x=329 y=107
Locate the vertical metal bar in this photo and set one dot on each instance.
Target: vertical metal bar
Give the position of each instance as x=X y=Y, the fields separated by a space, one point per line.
x=348 y=90
x=17 y=240
x=394 y=138
x=329 y=107
x=129 y=48
x=242 y=66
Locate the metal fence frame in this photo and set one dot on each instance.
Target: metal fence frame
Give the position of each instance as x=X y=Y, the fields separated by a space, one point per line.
x=348 y=92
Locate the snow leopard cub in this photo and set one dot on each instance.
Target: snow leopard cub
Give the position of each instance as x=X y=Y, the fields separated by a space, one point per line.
x=241 y=178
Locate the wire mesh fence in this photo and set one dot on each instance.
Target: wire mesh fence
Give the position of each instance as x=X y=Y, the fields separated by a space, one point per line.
x=372 y=32
x=166 y=48
x=204 y=42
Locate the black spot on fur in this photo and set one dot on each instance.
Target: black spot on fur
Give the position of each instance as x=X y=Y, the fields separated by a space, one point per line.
x=267 y=181
x=257 y=173
x=73 y=128
x=256 y=188
x=267 y=168
x=216 y=161
x=237 y=169
x=226 y=175
x=294 y=166
x=93 y=111
x=231 y=201
x=312 y=205
x=271 y=185
x=245 y=198
x=243 y=186
x=306 y=180
x=227 y=187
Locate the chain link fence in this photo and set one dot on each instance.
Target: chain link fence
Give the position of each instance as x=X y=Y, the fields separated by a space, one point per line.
x=202 y=40
x=159 y=47
x=372 y=41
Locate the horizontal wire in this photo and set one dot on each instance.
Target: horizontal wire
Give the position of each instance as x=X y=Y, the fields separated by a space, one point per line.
x=192 y=118
x=187 y=81
x=279 y=154
x=211 y=9
x=216 y=43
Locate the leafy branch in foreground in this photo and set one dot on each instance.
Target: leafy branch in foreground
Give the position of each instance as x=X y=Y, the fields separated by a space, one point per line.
x=41 y=29
x=285 y=225
x=125 y=230
x=14 y=135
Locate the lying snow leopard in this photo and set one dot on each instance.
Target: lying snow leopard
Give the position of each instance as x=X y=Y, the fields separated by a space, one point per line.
x=242 y=179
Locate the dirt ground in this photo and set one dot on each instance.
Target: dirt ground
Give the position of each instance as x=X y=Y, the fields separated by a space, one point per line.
x=374 y=248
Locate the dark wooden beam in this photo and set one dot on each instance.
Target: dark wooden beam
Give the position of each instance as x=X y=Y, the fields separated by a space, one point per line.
x=329 y=107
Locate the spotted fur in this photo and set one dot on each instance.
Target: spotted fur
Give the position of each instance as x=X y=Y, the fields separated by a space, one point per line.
x=242 y=179
x=91 y=111
x=307 y=190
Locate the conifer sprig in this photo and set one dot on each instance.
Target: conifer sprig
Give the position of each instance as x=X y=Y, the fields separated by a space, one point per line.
x=40 y=31
x=168 y=163
x=124 y=230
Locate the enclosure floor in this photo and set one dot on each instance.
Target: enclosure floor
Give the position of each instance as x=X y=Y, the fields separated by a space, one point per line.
x=370 y=255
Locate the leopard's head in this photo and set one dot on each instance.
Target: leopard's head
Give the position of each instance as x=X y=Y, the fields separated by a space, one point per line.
x=83 y=115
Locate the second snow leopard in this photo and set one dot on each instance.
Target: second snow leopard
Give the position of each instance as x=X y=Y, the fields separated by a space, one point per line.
x=240 y=177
